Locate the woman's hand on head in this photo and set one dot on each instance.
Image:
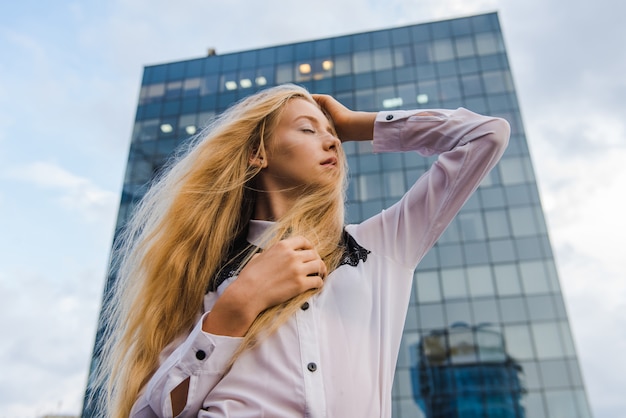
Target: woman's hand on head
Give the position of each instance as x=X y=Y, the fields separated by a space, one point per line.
x=286 y=269
x=350 y=125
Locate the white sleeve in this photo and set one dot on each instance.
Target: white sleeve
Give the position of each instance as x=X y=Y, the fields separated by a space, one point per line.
x=468 y=144
x=202 y=358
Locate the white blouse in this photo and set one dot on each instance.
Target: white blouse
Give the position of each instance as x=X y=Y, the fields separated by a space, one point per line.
x=336 y=356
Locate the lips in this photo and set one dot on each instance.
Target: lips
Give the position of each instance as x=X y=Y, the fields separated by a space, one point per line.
x=330 y=161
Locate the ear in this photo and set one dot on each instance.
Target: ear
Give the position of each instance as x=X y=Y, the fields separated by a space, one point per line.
x=257 y=159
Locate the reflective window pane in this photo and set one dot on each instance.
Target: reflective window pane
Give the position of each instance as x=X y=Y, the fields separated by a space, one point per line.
x=464 y=46
x=428 y=286
x=402 y=56
x=492 y=197
x=534 y=406
x=513 y=310
x=554 y=374
x=365 y=100
x=518 y=341
x=394 y=183
x=453 y=283
x=547 y=340
x=476 y=253
x=451 y=255
x=284 y=73
x=496 y=82
x=443 y=50
x=472 y=85
x=523 y=221
x=541 y=307
x=450 y=88
x=568 y=341
x=343 y=65
x=371 y=208
x=382 y=59
x=532 y=377
x=561 y=404
x=480 y=281
x=507 y=280
x=512 y=171
x=534 y=278
x=431 y=316
x=369 y=163
x=497 y=224
x=502 y=250
x=458 y=312
x=370 y=187
x=209 y=84
x=472 y=227
x=487 y=43
x=485 y=311
x=362 y=62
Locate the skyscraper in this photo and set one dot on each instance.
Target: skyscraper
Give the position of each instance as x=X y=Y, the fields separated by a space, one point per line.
x=487 y=332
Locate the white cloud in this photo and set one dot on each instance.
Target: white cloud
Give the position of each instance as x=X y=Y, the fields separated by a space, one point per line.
x=577 y=142
x=452 y=8
x=580 y=164
x=24 y=42
x=50 y=330
x=74 y=193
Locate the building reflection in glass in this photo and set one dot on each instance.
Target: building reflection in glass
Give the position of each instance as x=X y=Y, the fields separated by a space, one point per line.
x=465 y=371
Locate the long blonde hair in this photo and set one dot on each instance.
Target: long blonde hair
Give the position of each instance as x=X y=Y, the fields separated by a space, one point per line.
x=179 y=236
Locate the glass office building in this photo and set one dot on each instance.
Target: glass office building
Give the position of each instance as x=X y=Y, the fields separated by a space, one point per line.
x=487 y=333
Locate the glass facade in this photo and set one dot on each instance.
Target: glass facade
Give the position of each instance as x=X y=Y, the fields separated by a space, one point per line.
x=487 y=333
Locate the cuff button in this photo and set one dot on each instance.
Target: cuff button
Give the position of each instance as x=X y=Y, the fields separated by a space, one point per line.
x=200 y=355
x=389 y=117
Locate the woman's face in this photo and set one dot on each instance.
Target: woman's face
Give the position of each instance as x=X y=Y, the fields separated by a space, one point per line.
x=303 y=149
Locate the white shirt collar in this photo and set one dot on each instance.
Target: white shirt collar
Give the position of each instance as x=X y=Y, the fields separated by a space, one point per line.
x=256 y=230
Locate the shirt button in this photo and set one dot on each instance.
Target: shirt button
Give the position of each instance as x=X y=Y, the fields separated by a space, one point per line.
x=200 y=355
x=311 y=366
x=305 y=306
x=389 y=117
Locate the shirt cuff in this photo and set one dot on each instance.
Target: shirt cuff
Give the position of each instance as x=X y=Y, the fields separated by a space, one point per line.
x=207 y=353
x=386 y=132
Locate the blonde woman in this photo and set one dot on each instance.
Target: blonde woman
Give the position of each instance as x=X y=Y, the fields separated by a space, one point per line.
x=241 y=292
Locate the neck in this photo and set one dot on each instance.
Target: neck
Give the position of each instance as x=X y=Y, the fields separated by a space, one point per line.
x=271 y=206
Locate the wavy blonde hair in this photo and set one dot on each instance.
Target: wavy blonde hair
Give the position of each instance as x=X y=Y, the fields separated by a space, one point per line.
x=179 y=237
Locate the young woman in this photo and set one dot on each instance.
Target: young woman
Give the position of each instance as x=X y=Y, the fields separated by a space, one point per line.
x=241 y=292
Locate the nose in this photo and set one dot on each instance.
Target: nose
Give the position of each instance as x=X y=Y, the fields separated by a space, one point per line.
x=330 y=141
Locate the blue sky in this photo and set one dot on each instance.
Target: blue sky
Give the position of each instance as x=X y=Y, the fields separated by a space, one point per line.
x=69 y=81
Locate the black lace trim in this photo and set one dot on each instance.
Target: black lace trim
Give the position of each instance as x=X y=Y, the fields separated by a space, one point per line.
x=353 y=253
x=238 y=251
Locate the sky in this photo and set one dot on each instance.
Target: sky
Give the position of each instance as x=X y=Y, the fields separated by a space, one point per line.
x=70 y=73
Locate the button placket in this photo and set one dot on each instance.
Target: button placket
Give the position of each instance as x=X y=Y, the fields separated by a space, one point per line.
x=312 y=366
x=306 y=318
